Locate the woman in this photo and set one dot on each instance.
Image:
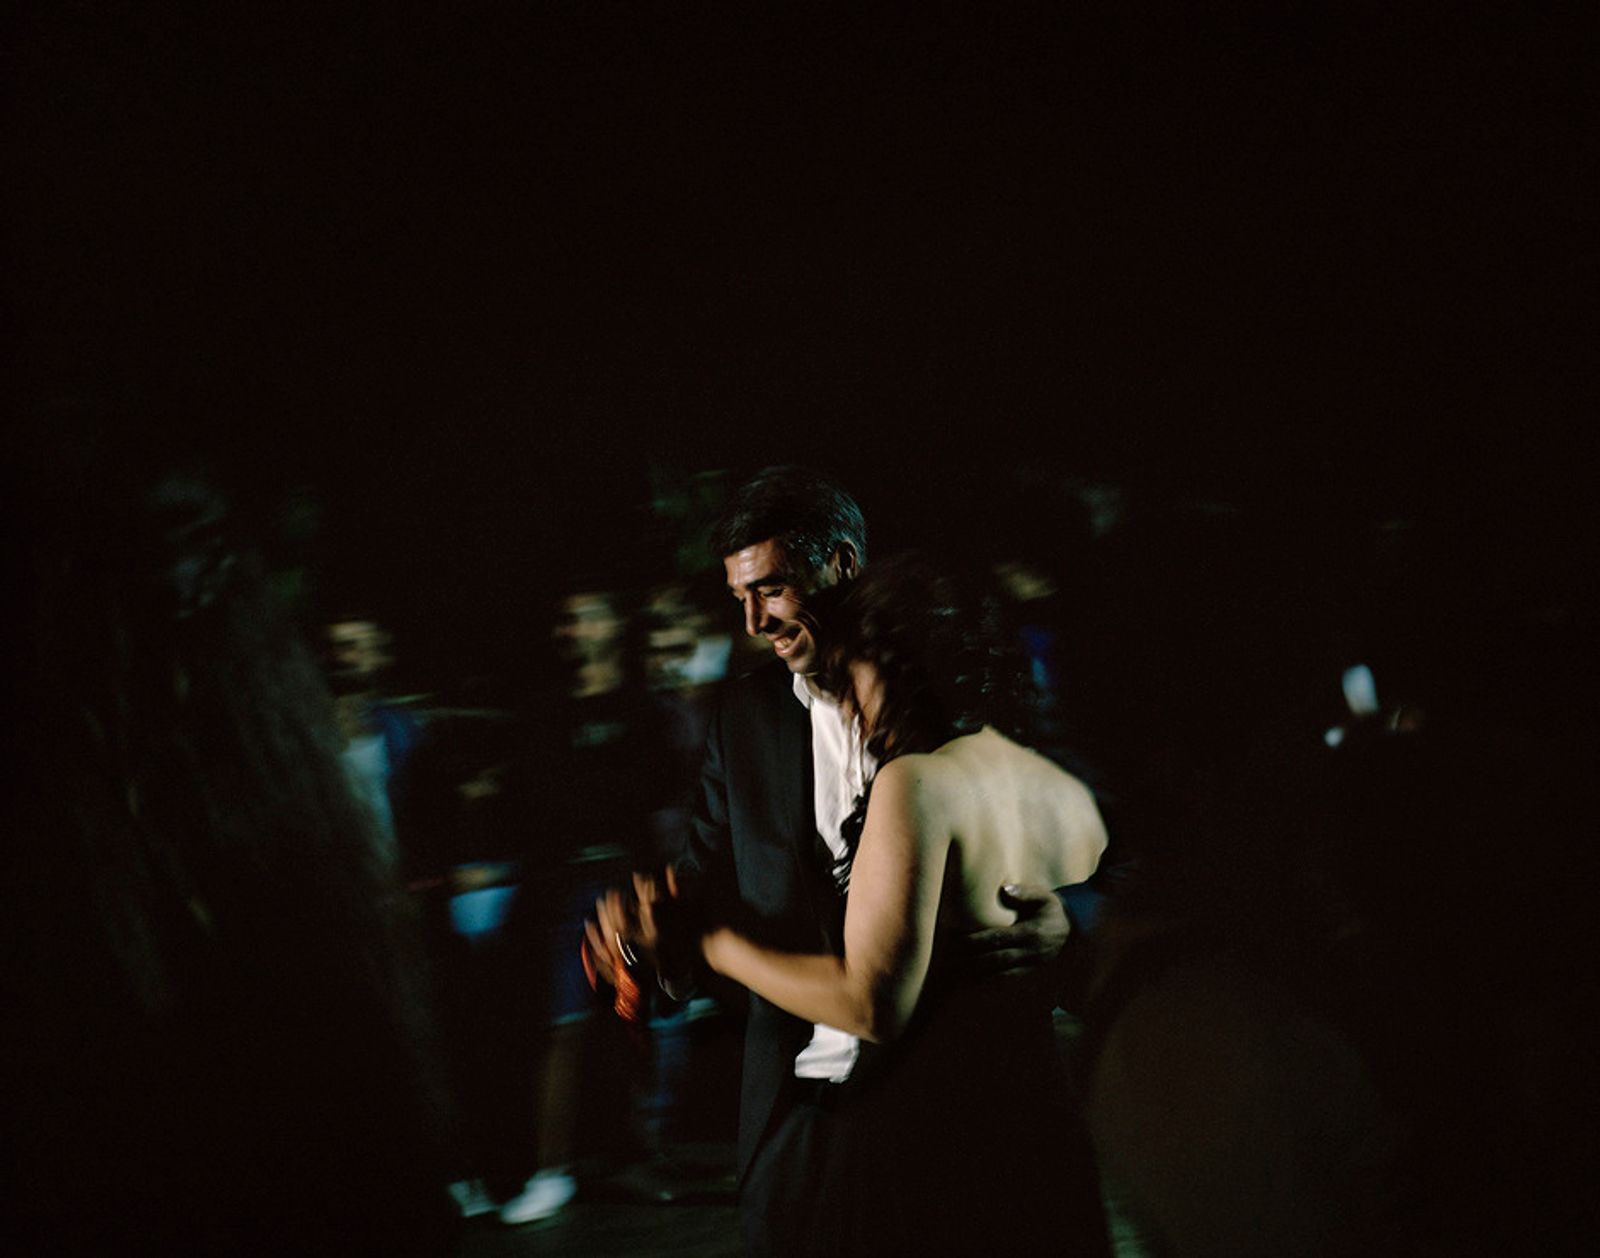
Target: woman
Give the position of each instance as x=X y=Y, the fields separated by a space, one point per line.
x=921 y=1147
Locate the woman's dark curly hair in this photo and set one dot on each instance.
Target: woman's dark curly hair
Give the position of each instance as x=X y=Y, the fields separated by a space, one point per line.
x=946 y=664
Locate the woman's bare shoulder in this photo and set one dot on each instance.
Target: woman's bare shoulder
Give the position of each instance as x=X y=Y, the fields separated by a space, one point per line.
x=904 y=775
x=911 y=785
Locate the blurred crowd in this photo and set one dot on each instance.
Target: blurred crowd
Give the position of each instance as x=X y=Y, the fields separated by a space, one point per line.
x=294 y=928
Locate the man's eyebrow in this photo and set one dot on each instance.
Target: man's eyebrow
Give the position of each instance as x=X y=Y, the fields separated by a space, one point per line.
x=769 y=578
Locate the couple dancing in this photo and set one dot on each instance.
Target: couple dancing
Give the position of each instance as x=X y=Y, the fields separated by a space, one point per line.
x=863 y=804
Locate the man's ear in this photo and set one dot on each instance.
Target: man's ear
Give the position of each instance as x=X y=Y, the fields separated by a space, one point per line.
x=846 y=563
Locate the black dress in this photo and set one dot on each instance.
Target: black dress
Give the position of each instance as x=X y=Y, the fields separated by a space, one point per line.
x=958 y=1137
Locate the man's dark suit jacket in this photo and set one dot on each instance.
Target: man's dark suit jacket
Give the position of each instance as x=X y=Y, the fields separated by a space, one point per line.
x=755 y=856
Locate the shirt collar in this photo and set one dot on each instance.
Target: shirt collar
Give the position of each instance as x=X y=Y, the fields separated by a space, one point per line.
x=805 y=690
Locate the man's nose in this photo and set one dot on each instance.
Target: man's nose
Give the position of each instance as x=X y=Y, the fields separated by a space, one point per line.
x=757 y=620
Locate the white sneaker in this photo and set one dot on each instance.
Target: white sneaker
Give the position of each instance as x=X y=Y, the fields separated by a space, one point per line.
x=471 y=1198
x=543 y=1195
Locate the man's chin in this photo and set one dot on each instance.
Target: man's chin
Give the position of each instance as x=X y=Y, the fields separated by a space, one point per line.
x=802 y=662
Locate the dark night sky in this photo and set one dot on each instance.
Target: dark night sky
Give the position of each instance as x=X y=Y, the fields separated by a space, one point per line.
x=446 y=257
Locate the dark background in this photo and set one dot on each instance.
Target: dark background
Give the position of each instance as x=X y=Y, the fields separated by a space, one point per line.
x=482 y=274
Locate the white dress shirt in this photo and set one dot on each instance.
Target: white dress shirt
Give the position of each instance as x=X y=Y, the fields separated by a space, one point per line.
x=841 y=768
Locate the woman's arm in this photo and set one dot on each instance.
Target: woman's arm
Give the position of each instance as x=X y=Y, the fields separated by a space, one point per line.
x=888 y=929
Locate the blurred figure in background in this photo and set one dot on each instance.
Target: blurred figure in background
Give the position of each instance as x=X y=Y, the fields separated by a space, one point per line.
x=602 y=775
x=219 y=1039
x=1036 y=556
x=1353 y=1013
x=684 y=664
x=685 y=661
x=462 y=819
x=380 y=735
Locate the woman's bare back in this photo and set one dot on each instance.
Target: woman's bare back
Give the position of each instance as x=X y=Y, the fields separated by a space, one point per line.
x=1008 y=814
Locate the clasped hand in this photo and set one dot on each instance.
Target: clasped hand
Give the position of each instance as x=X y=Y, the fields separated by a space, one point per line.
x=649 y=927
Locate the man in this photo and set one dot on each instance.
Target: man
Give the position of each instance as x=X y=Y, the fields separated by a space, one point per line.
x=380 y=735
x=782 y=770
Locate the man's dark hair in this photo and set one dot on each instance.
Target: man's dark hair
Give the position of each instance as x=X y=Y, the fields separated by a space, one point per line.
x=808 y=513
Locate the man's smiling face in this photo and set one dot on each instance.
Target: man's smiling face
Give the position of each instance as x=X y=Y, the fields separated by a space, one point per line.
x=773 y=595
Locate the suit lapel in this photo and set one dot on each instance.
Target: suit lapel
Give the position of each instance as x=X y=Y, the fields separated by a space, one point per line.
x=793 y=770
